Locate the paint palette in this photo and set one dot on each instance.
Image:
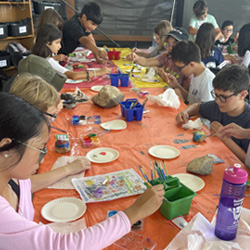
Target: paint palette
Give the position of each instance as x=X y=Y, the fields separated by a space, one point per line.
x=135 y=241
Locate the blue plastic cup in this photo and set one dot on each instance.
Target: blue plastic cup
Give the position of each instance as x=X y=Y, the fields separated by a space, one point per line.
x=114 y=78
x=129 y=114
x=138 y=112
x=124 y=80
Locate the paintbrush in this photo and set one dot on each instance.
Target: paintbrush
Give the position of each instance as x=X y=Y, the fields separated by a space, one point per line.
x=144 y=102
x=132 y=68
x=58 y=129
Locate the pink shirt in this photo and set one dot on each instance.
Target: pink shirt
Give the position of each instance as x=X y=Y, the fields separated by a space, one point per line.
x=18 y=231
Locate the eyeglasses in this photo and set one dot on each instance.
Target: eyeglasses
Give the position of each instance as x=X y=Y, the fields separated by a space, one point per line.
x=228 y=30
x=53 y=116
x=181 y=67
x=165 y=45
x=222 y=98
x=43 y=151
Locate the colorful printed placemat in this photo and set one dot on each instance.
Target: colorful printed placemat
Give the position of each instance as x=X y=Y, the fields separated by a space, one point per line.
x=109 y=186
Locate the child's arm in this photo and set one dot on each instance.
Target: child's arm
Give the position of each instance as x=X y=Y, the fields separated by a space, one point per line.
x=88 y=43
x=235 y=148
x=146 y=204
x=175 y=85
x=40 y=181
x=192 y=30
x=146 y=62
x=218 y=34
x=234 y=130
x=183 y=116
x=141 y=53
x=216 y=127
x=79 y=75
x=60 y=57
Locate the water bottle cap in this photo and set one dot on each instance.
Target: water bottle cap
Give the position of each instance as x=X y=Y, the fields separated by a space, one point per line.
x=235 y=174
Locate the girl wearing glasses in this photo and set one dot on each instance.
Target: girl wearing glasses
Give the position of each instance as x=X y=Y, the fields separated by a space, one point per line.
x=43 y=96
x=22 y=145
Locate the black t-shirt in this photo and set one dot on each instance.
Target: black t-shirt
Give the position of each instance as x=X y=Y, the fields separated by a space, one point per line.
x=72 y=32
x=228 y=42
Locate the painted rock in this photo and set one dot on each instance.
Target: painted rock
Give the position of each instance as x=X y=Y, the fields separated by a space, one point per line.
x=202 y=165
x=199 y=136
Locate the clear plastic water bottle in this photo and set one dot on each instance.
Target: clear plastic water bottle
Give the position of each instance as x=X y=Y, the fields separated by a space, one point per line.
x=231 y=199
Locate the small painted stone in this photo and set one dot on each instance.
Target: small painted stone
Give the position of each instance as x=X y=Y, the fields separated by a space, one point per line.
x=199 y=136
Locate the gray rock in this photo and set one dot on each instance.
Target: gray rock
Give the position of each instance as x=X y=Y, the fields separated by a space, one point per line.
x=108 y=97
x=202 y=165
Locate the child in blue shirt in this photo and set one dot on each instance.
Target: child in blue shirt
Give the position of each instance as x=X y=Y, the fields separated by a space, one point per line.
x=211 y=56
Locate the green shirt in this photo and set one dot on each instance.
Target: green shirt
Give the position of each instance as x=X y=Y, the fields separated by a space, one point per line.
x=196 y=23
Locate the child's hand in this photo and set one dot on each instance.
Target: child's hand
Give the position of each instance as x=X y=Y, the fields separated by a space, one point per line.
x=104 y=71
x=61 y=58
x=78 y=165
x=215 y=128
x=132 y=57
x=102 y=53
x=59 y=107
x=146 y=204
x=172 y=81
x=234 y=130
x=182 y=117
x=163 y=74
x=129 y=57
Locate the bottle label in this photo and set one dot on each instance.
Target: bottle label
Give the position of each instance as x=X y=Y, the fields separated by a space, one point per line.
x=236 y=209
x=229 y=214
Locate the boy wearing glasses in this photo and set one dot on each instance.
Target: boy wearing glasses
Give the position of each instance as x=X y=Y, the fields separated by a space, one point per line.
x=230 y=89
x=186 y=56
x=227 y=30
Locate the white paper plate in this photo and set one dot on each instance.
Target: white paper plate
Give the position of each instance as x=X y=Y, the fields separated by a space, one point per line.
x=63 y=209
x=149 y=80
x=96 y=88
x=164 y=152
x=114 y=125
x=191 y=181
x=86 y=60
x=102 y=155
x=134 y=70
x=70 y=81
x=93 y=68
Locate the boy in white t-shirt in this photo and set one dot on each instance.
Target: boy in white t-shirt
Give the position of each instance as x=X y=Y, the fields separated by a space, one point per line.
x=201 y=16
x=186 y=56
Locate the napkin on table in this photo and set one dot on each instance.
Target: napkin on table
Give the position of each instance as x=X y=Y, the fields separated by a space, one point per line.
x=196 y=124
x=167 y=99
x=199 y=235
x=66 y=183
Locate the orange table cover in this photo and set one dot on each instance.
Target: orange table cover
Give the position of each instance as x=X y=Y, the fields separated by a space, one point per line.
x=157 y=127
